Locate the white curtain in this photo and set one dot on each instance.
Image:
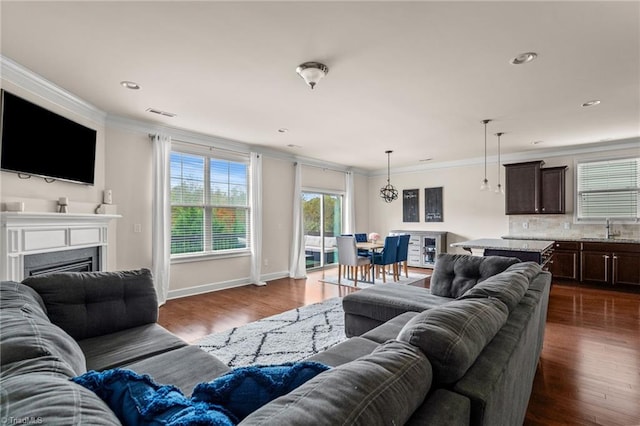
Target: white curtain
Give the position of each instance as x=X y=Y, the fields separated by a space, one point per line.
x=349 y=205
x=297 y=267
x=161 y=234
x=256 y=218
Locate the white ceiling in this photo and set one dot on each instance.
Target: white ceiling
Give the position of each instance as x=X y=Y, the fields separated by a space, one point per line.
x=413 y=77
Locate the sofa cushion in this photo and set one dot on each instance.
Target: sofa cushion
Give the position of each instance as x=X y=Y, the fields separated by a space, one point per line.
x=138 y=400
x=243 y=390
x=50 y=399
x=383 y=302
x=24 y=335
x=345 y=352
x=508 y=286
x=26 y=332
x=16 y=295
x=453 y=335
x=454 y=274
x=87 y=304
x=169 y=367
x=382 y=388
x=128 y=346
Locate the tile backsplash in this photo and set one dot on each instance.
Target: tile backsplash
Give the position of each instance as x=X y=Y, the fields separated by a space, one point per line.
x=559 y=226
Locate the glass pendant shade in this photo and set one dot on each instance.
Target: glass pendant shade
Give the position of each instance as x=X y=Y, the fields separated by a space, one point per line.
x=312 y=72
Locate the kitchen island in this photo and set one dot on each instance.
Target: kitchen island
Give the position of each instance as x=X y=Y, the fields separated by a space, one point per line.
x=539 y=251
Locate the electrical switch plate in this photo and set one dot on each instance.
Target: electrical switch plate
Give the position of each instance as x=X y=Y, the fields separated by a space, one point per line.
x=567 y=225
x=137 y=228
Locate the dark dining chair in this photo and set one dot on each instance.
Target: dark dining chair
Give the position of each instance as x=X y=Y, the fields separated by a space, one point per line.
x=387 y=257
x=403 y=254
x=362 y=238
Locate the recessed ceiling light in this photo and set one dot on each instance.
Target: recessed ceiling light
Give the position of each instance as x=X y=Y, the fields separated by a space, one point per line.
x=425 y=159
x=536 y=142
x=283 y=130
x=591 y=103
x=523 y=58
x=291 y=145
x=130 y=85
x=159 y=112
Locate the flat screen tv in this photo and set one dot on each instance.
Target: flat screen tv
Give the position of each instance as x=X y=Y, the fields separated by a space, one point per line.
x=38 y=142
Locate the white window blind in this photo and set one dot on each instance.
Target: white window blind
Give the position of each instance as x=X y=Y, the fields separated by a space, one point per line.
x=209 y=203
x=608 y=189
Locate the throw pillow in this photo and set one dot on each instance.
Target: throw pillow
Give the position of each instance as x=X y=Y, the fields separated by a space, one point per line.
x=246 y=389
x=454 y=274
x=382 y=388
x=138 y=400
x=509 y=286
x=453 y=335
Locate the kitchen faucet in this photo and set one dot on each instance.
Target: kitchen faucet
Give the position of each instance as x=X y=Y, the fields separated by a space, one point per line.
x=607 y=230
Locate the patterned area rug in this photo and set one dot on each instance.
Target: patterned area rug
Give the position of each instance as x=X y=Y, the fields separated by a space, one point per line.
x=413 y=277
x=287 y=337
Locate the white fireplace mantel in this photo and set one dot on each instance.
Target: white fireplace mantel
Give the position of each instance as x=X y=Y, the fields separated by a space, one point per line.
x=25 y=233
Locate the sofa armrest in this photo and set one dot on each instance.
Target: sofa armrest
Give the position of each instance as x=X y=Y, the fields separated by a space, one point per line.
x=442 y=408
x=89 y=304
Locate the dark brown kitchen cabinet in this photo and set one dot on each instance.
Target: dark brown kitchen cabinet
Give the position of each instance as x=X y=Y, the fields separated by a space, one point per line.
x=532 y=189
x=610 y=263
x=565 y=262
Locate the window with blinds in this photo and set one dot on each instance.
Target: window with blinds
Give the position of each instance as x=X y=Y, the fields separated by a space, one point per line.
x=608 y=189
x=209 y=204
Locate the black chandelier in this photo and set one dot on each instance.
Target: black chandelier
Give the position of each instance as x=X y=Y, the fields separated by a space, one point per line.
x=388 y=193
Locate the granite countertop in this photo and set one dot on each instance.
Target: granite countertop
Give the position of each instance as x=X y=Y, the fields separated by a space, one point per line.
x=506 y=244
x=578 y=239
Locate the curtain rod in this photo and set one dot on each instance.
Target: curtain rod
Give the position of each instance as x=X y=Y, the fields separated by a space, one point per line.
x=321 y=167
x=200 y=145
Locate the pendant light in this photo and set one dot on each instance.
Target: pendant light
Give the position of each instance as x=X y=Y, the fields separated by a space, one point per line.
x=499 y=189
x=388 y=193
x=485 y=182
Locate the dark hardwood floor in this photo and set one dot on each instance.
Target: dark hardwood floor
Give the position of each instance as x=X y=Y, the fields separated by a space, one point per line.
x=589 y=371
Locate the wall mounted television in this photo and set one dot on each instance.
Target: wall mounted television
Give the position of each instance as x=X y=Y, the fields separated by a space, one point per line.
x=38 y=142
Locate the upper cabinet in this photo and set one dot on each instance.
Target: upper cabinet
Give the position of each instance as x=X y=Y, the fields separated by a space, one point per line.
x=532 y=189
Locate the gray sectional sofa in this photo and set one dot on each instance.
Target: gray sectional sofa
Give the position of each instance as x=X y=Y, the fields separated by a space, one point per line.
x=447 y=360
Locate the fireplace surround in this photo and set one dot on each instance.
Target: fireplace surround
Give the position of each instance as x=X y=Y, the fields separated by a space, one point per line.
x=36 y=243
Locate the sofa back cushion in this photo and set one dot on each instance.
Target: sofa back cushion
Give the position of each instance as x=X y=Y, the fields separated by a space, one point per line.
x=26 y=332
x=453 y=335
x=509 y=286
x=382 y=388
x=454 y=274
x=88 y=304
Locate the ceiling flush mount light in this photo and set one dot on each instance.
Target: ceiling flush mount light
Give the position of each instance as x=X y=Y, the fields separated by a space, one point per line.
x=283 y=130
x=591 y=103
x=499 y=189
x=312 y=72
x=130 y=85
x=388 y=193
x=523 y=58
x=485 y=182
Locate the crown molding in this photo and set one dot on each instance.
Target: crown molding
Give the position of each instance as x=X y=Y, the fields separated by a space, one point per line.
x=28 y=80
x=572 y=150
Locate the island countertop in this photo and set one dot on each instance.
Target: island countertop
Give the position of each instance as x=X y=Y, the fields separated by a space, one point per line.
x=506 y=244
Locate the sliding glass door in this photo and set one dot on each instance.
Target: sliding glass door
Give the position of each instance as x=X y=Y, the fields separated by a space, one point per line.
x=322 y=216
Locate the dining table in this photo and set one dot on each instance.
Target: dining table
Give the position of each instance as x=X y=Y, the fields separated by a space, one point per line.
x=371 y=247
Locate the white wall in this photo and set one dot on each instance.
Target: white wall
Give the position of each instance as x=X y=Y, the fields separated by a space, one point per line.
x=468 y=213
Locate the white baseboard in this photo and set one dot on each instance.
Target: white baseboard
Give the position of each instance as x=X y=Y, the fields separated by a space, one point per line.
x=207 y=288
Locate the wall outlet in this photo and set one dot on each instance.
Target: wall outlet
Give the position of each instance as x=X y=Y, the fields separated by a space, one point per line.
x=567 y=225
x=266 y=262
x=525 y=225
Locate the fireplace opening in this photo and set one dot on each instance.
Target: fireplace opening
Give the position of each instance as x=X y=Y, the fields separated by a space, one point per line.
x=78 y=260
